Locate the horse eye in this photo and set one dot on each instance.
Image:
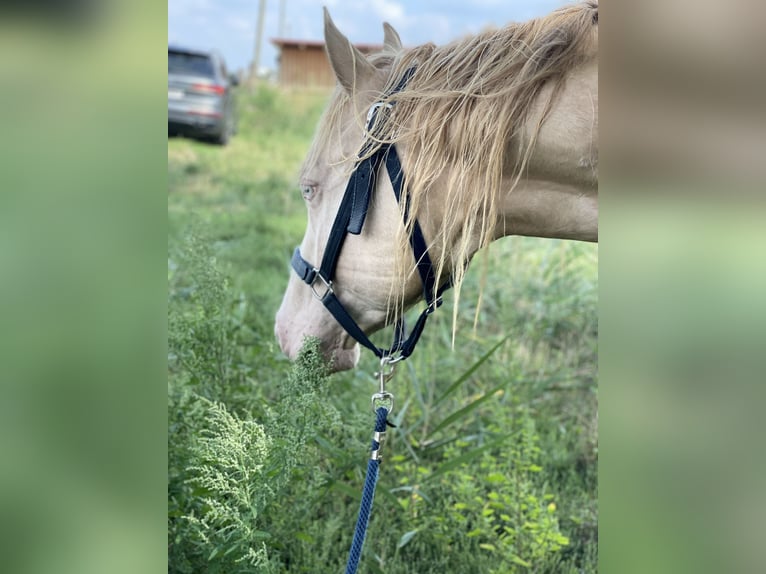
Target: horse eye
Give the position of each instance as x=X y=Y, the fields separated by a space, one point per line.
x=308 y=191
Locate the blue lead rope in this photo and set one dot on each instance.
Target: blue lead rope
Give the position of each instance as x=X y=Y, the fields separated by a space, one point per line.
x=368 y=493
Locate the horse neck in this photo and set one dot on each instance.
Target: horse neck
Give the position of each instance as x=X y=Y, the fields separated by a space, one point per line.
x=544 y=208
x=535 y=207
x=558 y=194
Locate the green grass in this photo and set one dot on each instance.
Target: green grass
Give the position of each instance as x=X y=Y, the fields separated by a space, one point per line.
x=492 y=466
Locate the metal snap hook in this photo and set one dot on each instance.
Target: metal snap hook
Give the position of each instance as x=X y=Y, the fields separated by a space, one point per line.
x=386 y=372
x=383 y=398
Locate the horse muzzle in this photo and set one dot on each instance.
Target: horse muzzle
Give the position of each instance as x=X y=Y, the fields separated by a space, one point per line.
x=339 y=350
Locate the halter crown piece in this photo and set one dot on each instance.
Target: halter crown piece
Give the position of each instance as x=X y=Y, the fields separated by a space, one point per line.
x=350 y=219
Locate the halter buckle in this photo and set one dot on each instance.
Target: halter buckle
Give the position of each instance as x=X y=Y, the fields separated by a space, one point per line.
x=327 y=284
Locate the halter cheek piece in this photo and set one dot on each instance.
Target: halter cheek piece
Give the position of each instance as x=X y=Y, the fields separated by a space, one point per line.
x=350 y=219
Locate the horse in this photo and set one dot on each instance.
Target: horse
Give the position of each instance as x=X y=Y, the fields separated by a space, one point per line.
x=497 y=135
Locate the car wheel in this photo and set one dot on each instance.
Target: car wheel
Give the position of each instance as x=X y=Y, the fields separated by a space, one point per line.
x=225 y=135
x=222 y=138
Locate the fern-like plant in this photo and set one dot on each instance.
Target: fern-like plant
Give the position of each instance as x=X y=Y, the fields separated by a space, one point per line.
x=231 y=454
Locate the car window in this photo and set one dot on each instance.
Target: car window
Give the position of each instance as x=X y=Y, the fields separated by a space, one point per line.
x=191 y=64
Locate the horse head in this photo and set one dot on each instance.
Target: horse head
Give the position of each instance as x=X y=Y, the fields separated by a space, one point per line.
x=497 y=135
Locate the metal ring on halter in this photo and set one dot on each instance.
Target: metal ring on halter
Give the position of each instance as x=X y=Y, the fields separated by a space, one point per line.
x=369 y=123
x=374 y=108
x=434 y=305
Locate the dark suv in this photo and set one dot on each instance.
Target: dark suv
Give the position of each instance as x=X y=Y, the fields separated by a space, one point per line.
x=200 y=96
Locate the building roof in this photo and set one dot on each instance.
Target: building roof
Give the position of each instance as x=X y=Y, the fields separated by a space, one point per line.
x=302 y=44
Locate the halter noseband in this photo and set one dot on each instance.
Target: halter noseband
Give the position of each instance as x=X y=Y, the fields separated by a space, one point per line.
x=350 y=219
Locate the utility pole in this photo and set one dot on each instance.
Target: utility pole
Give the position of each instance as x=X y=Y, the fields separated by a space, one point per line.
x=257 y=48
x=282 y=18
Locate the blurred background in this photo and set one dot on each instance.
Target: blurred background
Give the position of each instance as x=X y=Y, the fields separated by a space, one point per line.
x=245 y=31
x=681 y=270
x=85 y=167
x=216 y=46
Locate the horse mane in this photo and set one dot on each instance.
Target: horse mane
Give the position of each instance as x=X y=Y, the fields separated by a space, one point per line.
x=460 y=115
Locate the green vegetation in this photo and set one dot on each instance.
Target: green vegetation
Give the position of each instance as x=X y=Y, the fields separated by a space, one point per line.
x=492 y=465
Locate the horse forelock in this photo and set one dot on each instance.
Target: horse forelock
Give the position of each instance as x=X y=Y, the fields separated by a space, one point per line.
x=457 y=117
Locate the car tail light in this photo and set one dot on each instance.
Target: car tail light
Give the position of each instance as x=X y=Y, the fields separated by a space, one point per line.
x=209 y=88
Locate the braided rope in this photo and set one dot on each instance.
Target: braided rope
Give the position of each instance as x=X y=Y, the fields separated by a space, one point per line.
x=368 y=494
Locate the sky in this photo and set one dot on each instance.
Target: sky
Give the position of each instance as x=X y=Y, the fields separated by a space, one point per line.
x=229 y=25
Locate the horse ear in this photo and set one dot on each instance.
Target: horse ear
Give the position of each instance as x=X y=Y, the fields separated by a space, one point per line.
x=391 y=38
x=349 y=64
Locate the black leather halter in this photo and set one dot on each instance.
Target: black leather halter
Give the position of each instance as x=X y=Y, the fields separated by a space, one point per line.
x=350 y=219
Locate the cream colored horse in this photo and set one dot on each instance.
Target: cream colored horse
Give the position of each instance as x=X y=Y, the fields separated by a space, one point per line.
x=498 y=135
